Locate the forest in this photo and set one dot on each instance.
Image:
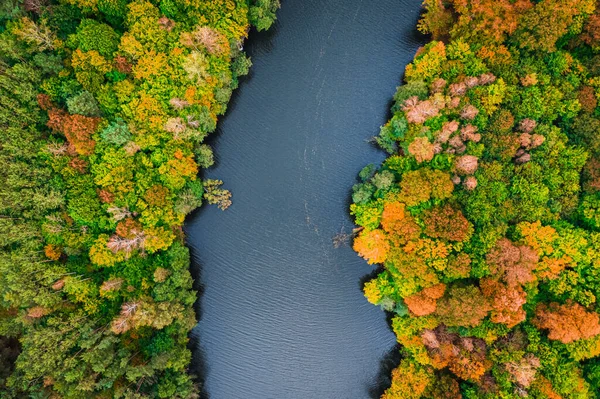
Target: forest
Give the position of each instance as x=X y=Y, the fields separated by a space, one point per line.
x=104 y=108
x=484 y=220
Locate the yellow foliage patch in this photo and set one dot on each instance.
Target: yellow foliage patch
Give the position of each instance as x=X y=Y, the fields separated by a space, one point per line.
x=372 y=245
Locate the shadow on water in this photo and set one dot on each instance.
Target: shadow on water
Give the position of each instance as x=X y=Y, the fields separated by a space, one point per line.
x=198 y=365
x=391 y=359
x=389 y=362
x=265 y=38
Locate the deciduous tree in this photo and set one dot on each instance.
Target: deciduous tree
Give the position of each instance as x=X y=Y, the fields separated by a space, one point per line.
x=568 y=322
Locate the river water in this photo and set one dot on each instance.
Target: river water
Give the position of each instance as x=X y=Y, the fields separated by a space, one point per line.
x=282 y=315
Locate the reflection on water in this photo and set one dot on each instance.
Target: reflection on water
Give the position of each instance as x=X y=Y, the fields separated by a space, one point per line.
x=282 y=312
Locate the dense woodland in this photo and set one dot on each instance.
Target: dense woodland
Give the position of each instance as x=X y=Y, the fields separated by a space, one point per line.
x=485 y=218
x=104 y=106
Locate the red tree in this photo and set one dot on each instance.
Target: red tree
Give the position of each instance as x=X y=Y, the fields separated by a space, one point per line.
x=78 y=129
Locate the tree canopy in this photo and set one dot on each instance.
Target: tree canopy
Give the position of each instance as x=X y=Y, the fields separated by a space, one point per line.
x=487 y=226
x=104 y=106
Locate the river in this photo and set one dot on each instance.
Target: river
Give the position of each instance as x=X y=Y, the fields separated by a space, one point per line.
x=282 y=315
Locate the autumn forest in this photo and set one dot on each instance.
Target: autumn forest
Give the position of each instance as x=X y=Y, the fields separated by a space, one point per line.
x=483 y=222
x=485 y=217
x=105 y=105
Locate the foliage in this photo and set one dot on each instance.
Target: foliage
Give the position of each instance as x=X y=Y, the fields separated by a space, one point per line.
x=104 y=105
x=83 y=104
x=488 y=230
x=262 y=13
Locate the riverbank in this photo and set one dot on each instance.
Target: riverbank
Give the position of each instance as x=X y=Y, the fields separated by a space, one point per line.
x=106 y=106
x=485 y=214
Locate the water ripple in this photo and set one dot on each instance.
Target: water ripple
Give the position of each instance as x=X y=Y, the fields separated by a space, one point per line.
x=282 y=312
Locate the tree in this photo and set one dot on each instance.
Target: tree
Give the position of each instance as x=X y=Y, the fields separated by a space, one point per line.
x=466 y=165
x=423 y=184
x=116 y=133
x=424 y=302
x=83 y=104
x=419 y=111
x=444 y=387
x=421 y=149
x=94 y=35
x=437 y=20
x=215 y=195
x=262 y=13
x=506 y=301
x=466 y=357
x=446 y=223
x=196 y=67
x=462 y=306
x=514 y=264
x=38 y=35
x=459 y=266
x=524 y=370
x=93 y=271
x=568 y=322
x=493 y=143
x=493 y=21
x=409 y=381
x=113 y=8
x=372 y=245
x=541 y=26
x=207 y=38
